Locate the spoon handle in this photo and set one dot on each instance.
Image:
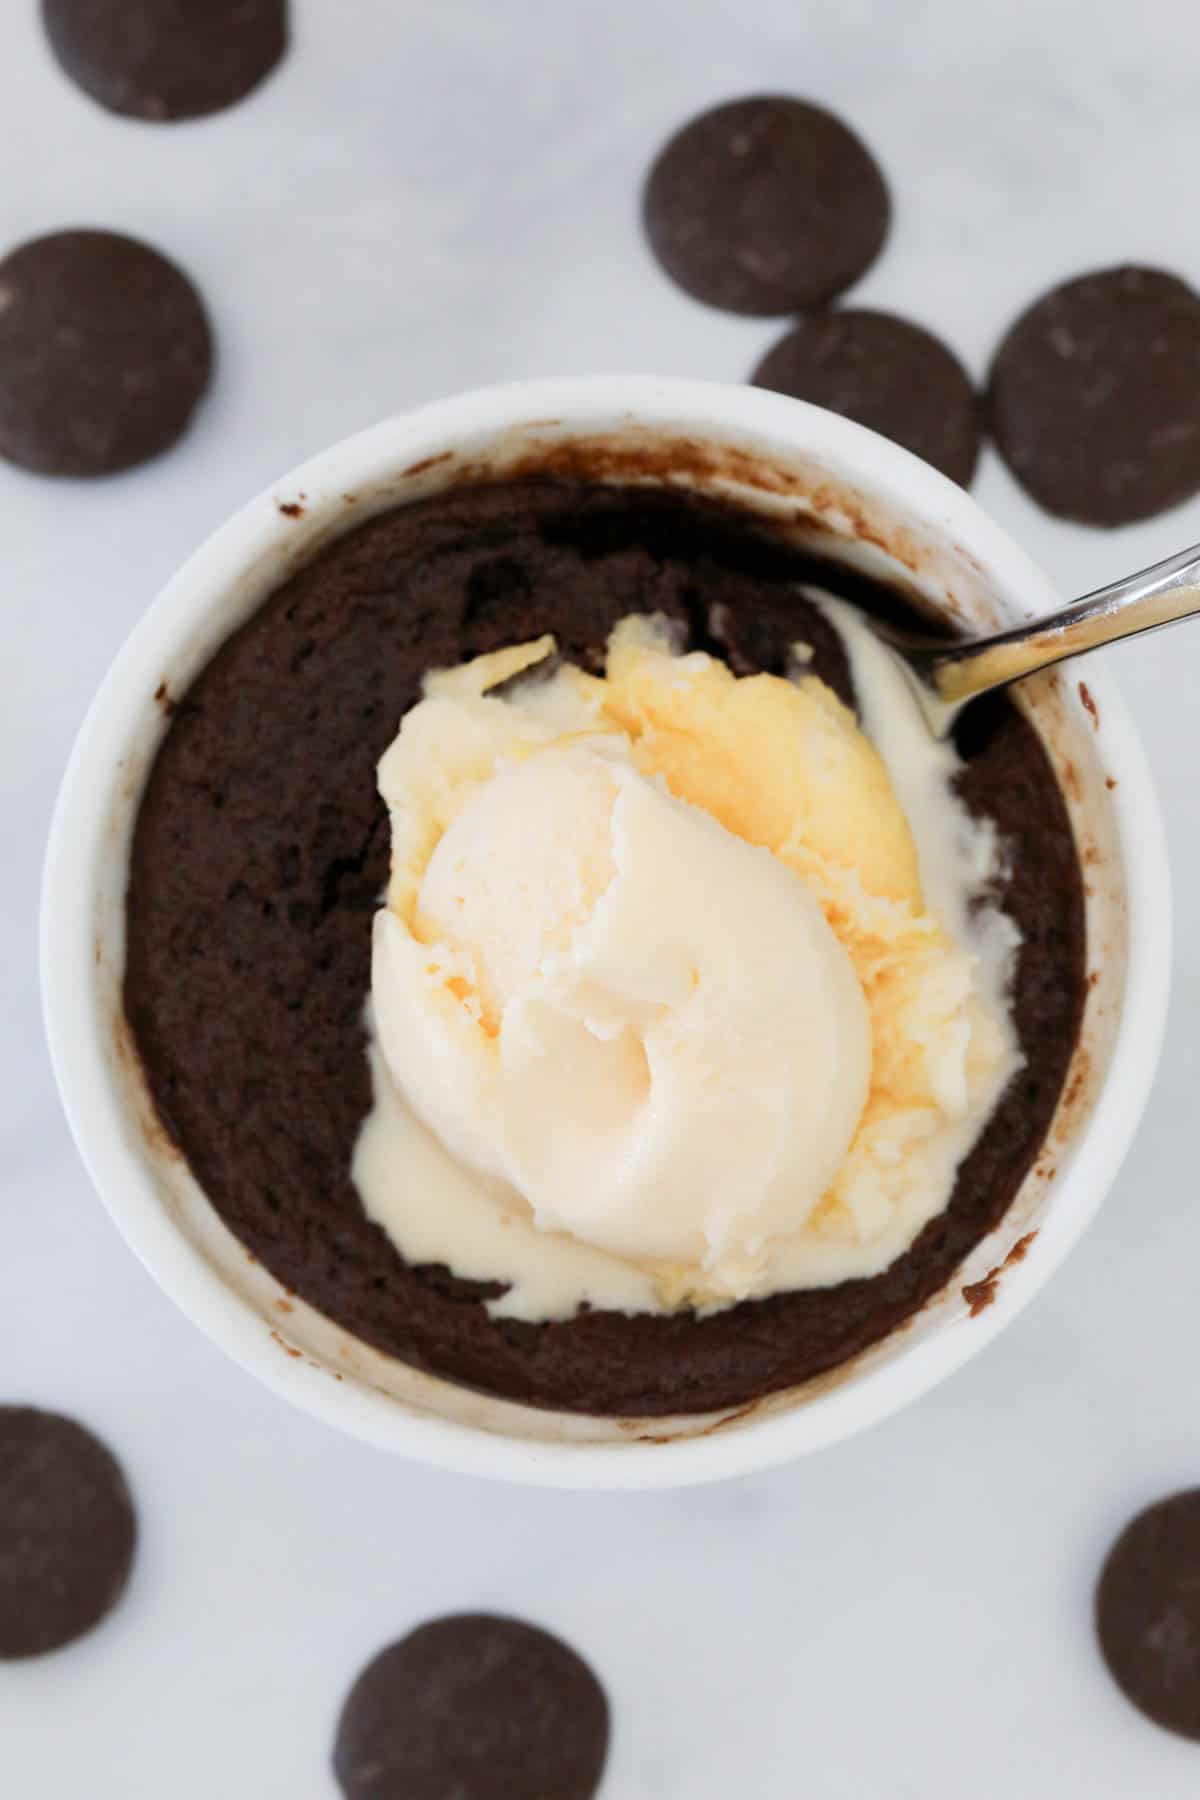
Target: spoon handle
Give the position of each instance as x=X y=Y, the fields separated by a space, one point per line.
x=1160 y=595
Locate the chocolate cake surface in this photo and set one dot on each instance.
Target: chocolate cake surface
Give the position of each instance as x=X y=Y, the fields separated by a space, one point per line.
x=261 y=850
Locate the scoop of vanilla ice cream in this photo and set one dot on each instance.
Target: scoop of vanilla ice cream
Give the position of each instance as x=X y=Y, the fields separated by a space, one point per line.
x=646 y=1025
x=657 y=965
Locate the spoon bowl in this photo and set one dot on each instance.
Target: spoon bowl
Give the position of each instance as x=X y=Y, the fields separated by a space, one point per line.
x=948 y=675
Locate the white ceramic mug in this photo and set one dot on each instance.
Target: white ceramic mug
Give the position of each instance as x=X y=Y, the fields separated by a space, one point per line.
x=816 y=477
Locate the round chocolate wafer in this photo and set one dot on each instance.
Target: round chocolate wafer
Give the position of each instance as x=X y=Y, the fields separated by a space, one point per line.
x=1148 y=1612
x=67 y=1531
x=166 y=59
x=1094 y=396
x=765 y=205
x=884 y=373
x=473 y=1705
x=105 y=349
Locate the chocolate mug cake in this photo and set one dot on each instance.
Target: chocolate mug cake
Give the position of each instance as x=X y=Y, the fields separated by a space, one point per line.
x=261 y=851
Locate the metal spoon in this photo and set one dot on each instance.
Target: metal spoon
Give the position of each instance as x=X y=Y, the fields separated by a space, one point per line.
x=947 y=675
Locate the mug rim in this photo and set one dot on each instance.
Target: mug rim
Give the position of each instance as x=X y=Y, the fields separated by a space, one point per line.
x=104 y=1132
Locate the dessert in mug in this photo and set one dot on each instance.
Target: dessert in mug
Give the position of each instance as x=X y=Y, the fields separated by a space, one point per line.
x=565 y=960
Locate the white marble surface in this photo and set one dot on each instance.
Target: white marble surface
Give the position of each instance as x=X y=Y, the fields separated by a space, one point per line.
x=426 y=198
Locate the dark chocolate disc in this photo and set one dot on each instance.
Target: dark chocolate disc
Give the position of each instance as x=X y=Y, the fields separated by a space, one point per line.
x=166 y=59
x=477 y=1707
x=766 y=205
x=884 y=373
x=105 y=349
x=67 y=1531
x=1094 y=396
x=1148 y=1612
